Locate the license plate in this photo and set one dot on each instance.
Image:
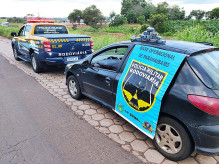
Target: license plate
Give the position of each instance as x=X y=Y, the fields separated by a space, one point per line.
x=72 y=59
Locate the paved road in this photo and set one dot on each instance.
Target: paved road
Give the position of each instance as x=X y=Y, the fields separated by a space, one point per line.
x=36 y=127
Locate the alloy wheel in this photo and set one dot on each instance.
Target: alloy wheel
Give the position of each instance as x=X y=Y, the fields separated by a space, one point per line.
x=168 y=139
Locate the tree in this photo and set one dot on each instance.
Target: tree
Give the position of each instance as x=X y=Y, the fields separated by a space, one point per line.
x=131 y=16
x=136 y=5
x=198 y=14
x=157 y=21
x=141 y=20
x=118 y=20
x=162 y=8
x=126 y=6
x=176 y=13
x=92 y=16
x=75 y=16
x=112 y=14
x=149 y=9
x=214 y=14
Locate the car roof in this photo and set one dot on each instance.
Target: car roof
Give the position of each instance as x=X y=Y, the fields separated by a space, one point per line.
x=184 y=47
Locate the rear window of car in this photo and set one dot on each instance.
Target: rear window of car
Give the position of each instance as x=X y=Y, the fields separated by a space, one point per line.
x=50 y=29
x=206 y=66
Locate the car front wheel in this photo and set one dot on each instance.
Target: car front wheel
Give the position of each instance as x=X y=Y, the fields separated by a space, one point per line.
x=74 y=88
x=16 y=53
x=172 y=140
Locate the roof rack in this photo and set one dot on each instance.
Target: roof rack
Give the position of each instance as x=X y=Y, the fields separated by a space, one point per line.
x=149 y=36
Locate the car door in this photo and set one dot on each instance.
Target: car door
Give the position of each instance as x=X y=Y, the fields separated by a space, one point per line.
x=21 y=40
x=23 y=45
x=98 y=78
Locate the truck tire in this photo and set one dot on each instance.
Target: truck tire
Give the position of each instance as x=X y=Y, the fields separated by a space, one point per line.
x=35 y=64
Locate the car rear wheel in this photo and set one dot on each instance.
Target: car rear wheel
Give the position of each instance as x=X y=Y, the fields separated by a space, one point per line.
x=172 y=140
x=35 y=64
x=74 y=88
x=16 y=53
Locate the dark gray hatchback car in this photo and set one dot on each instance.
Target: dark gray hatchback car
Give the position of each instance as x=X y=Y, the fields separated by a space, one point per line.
x=189 y=117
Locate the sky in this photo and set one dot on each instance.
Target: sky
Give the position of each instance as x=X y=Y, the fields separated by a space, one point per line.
x=62 y=8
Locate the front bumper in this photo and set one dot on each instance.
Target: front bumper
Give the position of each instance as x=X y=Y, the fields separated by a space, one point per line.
x=206 y=139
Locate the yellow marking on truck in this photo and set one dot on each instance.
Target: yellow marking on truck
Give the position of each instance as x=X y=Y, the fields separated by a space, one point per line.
x=58 y=40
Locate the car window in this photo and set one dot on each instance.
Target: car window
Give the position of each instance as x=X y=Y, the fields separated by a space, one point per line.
x=50 y=29
x=27 y=30
x=21 y=32
x=109 y=59
x=206 y=66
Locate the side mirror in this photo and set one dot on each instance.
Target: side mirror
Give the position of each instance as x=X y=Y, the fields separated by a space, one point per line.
x=85 y=64
x=13 y=34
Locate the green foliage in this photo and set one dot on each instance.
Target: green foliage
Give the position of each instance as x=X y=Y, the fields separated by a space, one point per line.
x=198 y=14
x=6 y=31
x=141 y=20
x=118 y=20
x=149 y=9
x=214 y=14
x=15 y=20
x=123 y=29
x=168 y=34
x=132 y=9
x=92 y=16
x=177 y=25
x=143 y=28
x=157 y=21
x=131 y=16
x=197 y=34
x=162 y=8
x=75 y=16
x=175 y=13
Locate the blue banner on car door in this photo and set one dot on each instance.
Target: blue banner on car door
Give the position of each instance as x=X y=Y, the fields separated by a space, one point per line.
x=142 y=85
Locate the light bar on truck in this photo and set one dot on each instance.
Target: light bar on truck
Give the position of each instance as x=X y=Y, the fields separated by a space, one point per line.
x=39 y=20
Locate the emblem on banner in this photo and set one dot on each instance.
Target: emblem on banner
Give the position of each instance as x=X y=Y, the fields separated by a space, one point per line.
x=140 y=86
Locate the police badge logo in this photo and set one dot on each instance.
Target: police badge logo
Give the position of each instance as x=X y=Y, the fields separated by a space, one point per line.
x=141 y=85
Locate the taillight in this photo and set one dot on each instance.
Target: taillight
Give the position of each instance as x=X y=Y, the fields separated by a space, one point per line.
x=47 y=46
x=207 y=104
x=92 y=45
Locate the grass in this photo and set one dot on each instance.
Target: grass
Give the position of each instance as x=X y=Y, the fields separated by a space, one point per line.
x=6 y=31
x=102 y=39
x=198 y=34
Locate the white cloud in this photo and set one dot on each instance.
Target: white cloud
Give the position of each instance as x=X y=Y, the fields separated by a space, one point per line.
x=54 y=8
x=62 y=8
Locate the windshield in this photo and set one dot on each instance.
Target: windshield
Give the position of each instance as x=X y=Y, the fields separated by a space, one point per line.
x=50 y=29
x=206 y=66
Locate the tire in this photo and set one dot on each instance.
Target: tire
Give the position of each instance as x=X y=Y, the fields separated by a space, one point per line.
x=16 y=53
x=74 y=88
x=172 y=139
x=35 y=64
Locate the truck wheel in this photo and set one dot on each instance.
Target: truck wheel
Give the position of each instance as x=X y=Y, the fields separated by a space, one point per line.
x=35 y=64
x=16 y=53
x=74 y=88
x=172 y=140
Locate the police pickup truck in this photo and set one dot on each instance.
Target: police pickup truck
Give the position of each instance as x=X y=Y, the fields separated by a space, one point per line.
x=45 y=44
